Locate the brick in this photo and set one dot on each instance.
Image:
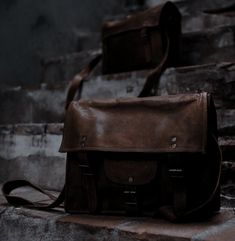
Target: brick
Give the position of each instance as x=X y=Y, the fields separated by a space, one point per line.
x=54 y=128
x=29 y=129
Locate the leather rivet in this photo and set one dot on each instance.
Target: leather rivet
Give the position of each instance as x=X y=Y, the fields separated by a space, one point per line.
x=130 y=179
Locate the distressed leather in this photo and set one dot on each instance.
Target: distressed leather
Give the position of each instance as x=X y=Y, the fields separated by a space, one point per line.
x=153 y=124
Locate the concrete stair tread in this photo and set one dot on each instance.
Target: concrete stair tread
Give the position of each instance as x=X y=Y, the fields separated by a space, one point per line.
x=47 y=104
x=215 y=44
x=57 y=225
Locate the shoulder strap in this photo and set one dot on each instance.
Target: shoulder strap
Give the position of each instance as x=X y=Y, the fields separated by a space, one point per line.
x=79 y=78
x=8 y=187
x=152 y=78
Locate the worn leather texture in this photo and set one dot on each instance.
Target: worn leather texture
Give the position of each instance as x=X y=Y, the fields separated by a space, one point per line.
x=139 y=41
x=152 y=124
x=143 y=156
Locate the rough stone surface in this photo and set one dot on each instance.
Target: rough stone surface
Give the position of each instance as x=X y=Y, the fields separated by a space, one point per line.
x=31 y=152
x=32 y=106
x=212 y=45
x=227 y=144
x=204 y=22
x=56 y=225
x=194 y=17
x=217 y=79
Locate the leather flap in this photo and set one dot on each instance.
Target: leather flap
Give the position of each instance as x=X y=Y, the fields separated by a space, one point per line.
x=164 y=15
x=129 y=172
x=176 y=123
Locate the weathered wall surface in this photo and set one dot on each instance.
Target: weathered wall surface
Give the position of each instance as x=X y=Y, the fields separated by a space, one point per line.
x=31 y=152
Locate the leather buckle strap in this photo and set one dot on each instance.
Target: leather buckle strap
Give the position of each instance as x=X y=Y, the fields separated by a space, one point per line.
x=88 y=181
x=176 y=173
x=132 y=201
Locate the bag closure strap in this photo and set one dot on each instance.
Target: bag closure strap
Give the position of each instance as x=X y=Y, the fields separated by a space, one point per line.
x=154 y=76
x=132 y=200
x=177 y=176
x=88 y=180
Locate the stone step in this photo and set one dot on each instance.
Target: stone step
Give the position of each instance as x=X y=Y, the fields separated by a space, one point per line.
x=28 y=224
x=40 y=105
x=211 y=45
x=30 y=151
x=200 y=21
x=62 y=69
x=46 y=104
x=217 y=79
x=194 y=17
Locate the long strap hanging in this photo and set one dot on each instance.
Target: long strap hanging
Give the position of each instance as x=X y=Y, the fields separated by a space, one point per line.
x=14 y=200
x=152 y=78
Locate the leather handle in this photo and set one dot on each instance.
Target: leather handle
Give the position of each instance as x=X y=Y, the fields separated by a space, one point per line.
x=152 y=77
x=15 y=200
x=79 y=78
